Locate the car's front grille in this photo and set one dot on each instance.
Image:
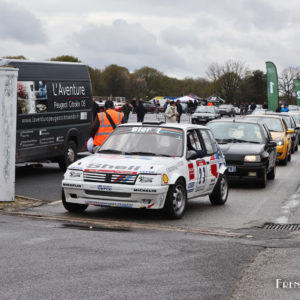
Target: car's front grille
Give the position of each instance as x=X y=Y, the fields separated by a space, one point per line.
x=108 y=194
x=109 y=178
x=234 y=162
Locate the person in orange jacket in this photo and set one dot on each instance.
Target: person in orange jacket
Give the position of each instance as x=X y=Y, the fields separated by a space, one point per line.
x=105 y=123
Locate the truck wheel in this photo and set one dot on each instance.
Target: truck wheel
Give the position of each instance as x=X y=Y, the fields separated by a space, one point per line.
x=72 y=207
x=70 y=155
x=176 y=200
x=220 y=192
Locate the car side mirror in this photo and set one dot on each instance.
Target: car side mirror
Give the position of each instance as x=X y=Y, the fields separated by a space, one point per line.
x=272 y=144
x=191 y=154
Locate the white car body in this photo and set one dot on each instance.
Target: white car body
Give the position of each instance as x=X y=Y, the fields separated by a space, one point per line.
x=141 y=181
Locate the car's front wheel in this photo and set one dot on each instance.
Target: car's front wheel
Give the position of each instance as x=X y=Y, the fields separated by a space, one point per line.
x=263 y=179
x=176 y=200
x=220 y=192
x=272 y=173
x=72 y=207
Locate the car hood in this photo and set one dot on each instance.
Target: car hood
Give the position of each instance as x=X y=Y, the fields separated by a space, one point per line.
x=131 y=164
x=241 y=148
x=275 y=135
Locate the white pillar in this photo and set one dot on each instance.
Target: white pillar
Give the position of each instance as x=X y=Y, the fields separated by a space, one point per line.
x=8 y=123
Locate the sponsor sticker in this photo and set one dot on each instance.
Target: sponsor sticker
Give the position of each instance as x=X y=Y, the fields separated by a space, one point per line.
x=191 y=171
x=104 y=188
x=72 y=185
x=145 y=190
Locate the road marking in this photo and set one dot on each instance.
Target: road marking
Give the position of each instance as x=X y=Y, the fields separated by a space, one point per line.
x=125 y=224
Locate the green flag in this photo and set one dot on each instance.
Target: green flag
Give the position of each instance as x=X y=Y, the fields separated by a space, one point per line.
x=297 y=90
x=272 y=84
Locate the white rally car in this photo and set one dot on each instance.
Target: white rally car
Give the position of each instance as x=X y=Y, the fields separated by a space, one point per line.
x=149 y=165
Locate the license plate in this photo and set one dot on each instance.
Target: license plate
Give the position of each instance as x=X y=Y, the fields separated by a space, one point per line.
x=232 y=169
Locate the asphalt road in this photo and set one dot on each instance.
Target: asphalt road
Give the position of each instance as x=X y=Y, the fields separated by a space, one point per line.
x=109 y=253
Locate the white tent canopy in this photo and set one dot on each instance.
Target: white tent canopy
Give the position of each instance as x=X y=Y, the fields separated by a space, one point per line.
x=184 y=99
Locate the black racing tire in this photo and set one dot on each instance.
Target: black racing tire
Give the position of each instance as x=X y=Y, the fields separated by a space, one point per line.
x=285 y=161
x=289 y=157
x=176 y=200
x=271 y=175
x=220 y=192
x=69 y=156
x=72 y=207
x=263 y=180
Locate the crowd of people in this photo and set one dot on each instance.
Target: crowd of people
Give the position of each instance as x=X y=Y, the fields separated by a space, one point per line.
x=105 y=118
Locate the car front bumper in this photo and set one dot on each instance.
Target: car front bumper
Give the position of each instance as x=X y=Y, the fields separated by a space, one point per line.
x=246 y=172
x=116 y=195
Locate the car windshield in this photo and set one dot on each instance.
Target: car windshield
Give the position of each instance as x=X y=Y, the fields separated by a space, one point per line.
x=205 y=109
x=148 y=141
x=273 y=124
x=235 y=132
x=287 y=121
x=296 y=118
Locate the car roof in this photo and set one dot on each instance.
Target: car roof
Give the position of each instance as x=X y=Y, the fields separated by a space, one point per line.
x=236 y=121
x=264 y=116
x=183 y=126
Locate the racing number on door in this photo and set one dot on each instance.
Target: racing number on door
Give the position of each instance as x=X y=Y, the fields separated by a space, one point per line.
x=201 y=167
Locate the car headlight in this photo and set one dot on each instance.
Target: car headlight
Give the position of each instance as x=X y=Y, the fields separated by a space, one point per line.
x=73 y=174
x=146 y=179
x=279 y=142
x=252 y=158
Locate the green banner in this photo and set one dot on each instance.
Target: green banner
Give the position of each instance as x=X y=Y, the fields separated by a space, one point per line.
x=297 y=90
x=272 y=84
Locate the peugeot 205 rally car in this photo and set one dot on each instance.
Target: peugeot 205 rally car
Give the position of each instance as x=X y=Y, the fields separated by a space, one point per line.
x=149 y=165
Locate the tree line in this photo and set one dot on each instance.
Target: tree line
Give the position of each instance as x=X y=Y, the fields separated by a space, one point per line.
x=232 y=81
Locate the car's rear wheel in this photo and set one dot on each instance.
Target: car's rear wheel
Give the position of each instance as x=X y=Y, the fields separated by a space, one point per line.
x=271 y=175
x=176 y=200
x=72 y=207
x=220 y=192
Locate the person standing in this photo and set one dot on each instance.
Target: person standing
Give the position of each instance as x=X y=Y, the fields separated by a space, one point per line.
x=171 y=113
x=140 y=111
x=285 y=108
x=95 y=109
x=166 y=104
x=179 y=110
x=105 y=123
x=126 y=109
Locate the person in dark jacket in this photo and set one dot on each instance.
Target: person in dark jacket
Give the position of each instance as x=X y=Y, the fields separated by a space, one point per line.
x=126 y=109
x=179 y=110
x=95 y=109
x=140 y=111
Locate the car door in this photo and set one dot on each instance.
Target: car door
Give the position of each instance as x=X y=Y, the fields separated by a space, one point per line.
x=270 y=149
x=211 y=158
x=197 y=167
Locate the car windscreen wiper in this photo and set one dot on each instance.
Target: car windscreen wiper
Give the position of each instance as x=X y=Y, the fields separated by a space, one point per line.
x=110 y=151
x=141 y=153
x=245 y=141
x=225 y=141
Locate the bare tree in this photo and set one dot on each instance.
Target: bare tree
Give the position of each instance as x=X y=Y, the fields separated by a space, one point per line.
x=286 y=82
x=228 y=77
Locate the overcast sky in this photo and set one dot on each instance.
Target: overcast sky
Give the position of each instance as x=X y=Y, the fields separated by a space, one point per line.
x=179 y=38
